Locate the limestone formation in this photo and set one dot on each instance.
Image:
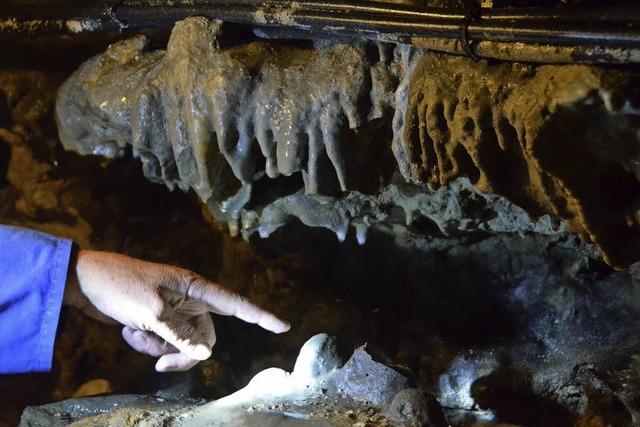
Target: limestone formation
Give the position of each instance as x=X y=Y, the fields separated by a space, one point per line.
x=558 y=140
x=319 y=123
x=318 y=392
x=252 y=107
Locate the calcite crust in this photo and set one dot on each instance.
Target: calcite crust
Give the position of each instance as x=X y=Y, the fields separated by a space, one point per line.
x=558 y=140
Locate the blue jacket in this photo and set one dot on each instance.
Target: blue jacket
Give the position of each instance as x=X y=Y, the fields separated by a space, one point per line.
x=33 y=272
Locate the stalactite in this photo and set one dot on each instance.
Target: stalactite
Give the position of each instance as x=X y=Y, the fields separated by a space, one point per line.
x=556 y=140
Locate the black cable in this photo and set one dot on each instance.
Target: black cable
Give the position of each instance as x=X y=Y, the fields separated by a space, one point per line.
x=472 y=12
x=597 y=34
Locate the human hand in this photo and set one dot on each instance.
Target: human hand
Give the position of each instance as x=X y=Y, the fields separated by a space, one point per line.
x=164 y=309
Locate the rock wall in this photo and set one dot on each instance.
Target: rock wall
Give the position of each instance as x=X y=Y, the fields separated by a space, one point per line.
x=265 y=132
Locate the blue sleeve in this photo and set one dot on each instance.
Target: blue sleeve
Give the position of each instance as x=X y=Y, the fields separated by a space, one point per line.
x=33 y=272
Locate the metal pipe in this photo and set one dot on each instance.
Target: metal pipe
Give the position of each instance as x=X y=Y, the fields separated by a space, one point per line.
x=601 y=35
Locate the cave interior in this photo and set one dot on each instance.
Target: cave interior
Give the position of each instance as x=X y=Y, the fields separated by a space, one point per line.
x=442 y=197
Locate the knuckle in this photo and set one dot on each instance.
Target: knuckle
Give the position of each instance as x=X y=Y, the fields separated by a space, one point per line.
x=194 y=285
x=188 y=279
x=183 y=332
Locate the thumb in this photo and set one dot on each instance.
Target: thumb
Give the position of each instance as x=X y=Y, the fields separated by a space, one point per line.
x=177 y=331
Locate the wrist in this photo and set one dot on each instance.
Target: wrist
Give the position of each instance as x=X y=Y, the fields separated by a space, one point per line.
x=73 y=295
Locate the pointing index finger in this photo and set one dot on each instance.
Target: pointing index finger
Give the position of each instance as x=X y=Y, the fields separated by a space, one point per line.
x=223 y=301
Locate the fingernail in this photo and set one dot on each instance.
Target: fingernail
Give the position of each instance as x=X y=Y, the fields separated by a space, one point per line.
x=283 y=328
x=201 y=352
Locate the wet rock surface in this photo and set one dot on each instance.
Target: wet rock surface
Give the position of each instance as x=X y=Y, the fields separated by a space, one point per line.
x=68 y=411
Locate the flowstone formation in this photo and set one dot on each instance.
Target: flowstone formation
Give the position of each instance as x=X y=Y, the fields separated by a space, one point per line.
x=558 y=140
x=265 y=132
x=318 y=392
